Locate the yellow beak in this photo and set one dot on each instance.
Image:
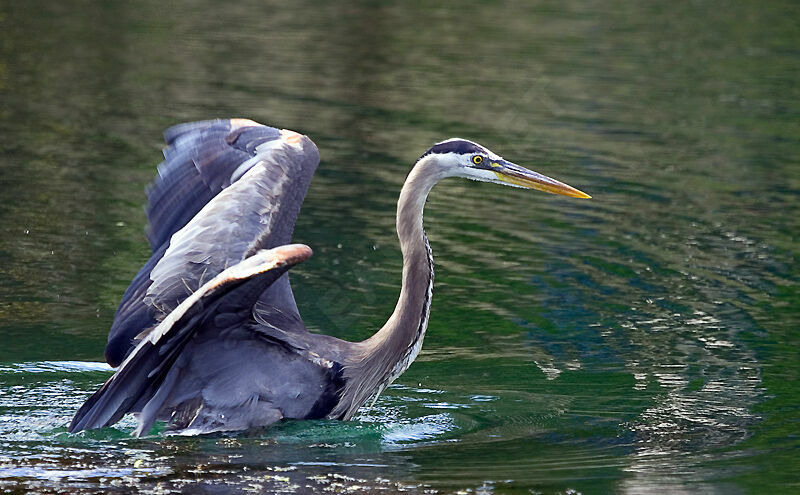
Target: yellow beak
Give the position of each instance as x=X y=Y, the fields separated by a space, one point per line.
x=519 y=176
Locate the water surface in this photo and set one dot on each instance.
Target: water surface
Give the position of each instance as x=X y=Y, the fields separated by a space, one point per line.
x=645 y=341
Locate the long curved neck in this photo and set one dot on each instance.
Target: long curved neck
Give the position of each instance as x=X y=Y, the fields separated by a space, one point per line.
x=388 y=353
x=406 y=326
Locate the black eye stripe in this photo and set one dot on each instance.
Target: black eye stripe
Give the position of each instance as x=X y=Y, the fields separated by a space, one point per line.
x=460 y=146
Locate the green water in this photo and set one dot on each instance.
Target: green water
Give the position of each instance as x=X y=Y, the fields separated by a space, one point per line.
x=645 y=341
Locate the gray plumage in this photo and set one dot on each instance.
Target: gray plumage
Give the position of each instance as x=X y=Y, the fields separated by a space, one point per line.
x=208 y=336
x=249 y=180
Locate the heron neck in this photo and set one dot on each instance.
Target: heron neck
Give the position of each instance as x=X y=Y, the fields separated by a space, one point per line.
x=381 y=358
x=396 y=344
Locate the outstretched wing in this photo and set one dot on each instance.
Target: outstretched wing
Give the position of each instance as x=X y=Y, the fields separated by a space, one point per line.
x=138 y=385
x=226 y=189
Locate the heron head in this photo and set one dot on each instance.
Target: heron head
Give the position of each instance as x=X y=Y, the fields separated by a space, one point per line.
x=463 y=158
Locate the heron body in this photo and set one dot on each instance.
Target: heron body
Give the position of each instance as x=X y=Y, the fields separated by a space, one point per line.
x=208 y=336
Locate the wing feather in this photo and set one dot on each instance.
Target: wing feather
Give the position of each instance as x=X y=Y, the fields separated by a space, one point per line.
x=138 y=384
x=226 y=189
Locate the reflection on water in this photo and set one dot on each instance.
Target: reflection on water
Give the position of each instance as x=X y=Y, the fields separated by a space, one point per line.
x=641 y=342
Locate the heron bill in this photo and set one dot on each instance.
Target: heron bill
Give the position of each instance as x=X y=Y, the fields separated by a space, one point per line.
x=522 y=177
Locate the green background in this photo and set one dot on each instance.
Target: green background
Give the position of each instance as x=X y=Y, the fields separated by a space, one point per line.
x=644 y=341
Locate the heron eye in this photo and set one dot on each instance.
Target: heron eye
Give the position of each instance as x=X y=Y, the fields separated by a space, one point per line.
x=477 y=159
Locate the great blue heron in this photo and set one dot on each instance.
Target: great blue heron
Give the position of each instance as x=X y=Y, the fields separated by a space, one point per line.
x=208 y=336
